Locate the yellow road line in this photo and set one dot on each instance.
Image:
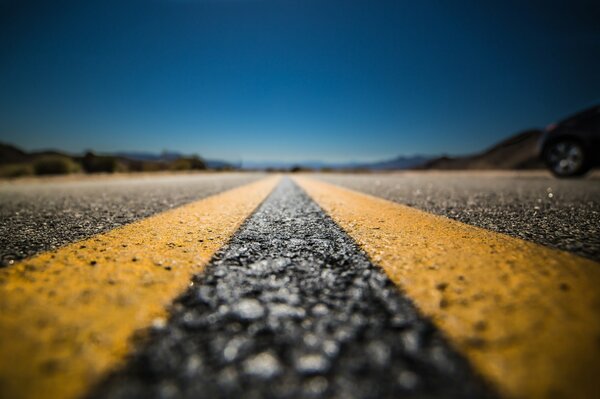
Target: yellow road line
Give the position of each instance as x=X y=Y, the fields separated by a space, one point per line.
x=527 y=316
x=67 y=316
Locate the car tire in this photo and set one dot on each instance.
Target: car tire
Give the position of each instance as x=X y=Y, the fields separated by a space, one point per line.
x=566 y=158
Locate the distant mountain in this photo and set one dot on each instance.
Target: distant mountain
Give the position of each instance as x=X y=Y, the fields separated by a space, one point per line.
x=284 y=165
x=169 y=157
x=11 y=154
x=217 y=164
x=401 y=162
x=516 y=152
x=148 y=156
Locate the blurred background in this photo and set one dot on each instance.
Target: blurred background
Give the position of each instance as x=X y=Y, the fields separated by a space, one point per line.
x=131 y=85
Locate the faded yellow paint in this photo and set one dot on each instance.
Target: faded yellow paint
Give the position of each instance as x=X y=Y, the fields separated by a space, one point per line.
x=527 y=316
x=68 y=316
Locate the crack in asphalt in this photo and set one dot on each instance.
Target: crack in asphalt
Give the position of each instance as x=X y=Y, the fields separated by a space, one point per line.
x=292 y=308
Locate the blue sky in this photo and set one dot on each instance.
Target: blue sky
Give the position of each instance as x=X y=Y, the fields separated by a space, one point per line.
x=291 y=80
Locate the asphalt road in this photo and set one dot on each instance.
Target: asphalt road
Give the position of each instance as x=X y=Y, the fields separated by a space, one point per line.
x=291 y=308
x=39 y=216
x=563 y=214
x=558 y=213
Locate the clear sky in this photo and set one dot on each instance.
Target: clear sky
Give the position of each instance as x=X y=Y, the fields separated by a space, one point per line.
x=291 y=79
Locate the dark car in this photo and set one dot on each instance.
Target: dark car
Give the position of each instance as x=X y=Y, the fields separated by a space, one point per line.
x=571 y=147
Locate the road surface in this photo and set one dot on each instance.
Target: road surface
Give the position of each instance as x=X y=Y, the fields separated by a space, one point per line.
x=560 y=213
x=40 y=216
x=293 y=309
x=262 y=286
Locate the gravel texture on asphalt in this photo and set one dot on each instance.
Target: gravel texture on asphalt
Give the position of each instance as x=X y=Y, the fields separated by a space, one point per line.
x=36 y=217
x=559 y=213
x=291 y=308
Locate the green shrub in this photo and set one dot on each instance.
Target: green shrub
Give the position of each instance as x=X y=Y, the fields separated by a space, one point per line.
x=149 y=166
x=298 y=168
x=16 y=170
x=197 y=162
x=181 y=164
x=55 y=165
x=189 y=163
x=100 y=164
x=122 y=167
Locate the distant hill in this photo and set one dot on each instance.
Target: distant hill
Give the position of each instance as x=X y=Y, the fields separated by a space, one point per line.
x=169 y=157
x=516 y=152
x=401 y=162
x=149 y=156
x=217 y=164
x=11 y=154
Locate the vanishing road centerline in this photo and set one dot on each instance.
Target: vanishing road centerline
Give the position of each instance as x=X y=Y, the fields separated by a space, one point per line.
x=292 y=308
x=286 y=288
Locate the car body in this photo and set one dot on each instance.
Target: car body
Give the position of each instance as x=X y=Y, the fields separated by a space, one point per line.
x=571 y=147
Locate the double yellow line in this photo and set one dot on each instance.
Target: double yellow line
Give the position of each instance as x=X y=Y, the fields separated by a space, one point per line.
x=527 y=317
x=67 y=316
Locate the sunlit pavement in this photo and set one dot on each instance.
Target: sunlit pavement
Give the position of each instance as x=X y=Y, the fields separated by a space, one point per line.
x=43 y=214
x=559 y=213
x=322 y=292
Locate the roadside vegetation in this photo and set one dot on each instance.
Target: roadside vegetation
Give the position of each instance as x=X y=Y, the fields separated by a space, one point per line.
x=17 y=163
x=16 y=170
x=55 y=165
